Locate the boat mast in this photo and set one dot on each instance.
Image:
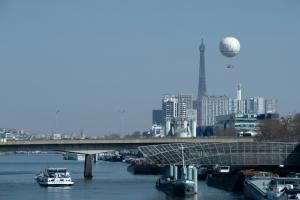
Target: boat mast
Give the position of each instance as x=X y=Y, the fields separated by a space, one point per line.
x=183 y=164
x=182 y=155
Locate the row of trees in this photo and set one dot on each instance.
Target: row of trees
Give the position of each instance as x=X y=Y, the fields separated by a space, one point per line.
x=280 y=129
x=135 y=134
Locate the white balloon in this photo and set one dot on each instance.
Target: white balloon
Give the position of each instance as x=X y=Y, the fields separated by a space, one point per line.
x=230 y=47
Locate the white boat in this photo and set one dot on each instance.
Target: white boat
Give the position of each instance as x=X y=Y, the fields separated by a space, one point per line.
x=54 y=177
x=272 y=188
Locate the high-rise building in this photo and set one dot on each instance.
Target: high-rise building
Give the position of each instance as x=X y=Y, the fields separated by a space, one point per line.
x=238 y=105
x=271 y=106
x=157 y=117
x=256 y=105
x=176 y=106
x=179 y=119
x=202 y=78
x=169 y=107
x=184 y=104
x=209 y=107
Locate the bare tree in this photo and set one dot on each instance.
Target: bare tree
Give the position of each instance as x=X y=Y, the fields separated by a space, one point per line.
x=285 y=128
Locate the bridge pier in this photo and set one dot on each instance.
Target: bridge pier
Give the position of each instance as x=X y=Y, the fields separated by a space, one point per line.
x=88 y=172
x=195 y=178
x=171 y=171
x=190 y=172
x=175 y=173
x=95 y=158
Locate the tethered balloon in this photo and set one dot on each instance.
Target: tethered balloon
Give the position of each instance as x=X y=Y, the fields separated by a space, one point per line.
x=230 y=47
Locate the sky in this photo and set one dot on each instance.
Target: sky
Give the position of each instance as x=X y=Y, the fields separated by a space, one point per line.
x=105 y=65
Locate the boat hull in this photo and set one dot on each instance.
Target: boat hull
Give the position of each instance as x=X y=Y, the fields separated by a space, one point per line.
x=54 y=185
x=181 y=189
x=252 y=193
x=175 y=188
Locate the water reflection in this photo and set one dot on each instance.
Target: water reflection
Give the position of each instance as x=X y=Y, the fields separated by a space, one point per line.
x=59 y=193
x=193 y=197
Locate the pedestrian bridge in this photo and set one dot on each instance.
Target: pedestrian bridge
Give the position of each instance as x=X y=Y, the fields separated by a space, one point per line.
x=231 y=153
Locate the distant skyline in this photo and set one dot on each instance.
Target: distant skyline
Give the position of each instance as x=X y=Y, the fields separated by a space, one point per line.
x=105 y=65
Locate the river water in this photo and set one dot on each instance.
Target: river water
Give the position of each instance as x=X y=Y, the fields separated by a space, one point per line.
x=111 y=181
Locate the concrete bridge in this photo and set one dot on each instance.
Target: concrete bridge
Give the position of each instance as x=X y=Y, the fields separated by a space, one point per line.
x=91 y=147
x=95 y=145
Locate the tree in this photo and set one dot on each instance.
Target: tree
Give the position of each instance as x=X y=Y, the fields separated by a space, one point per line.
x=135 y=134
x=296 y=125
x=272 y=129
x=285 y=128
x=113 y=136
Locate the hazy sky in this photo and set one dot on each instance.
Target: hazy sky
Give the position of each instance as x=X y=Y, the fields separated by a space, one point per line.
x=104 y=65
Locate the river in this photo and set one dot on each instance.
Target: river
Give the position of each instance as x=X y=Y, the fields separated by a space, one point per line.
x=111 y=181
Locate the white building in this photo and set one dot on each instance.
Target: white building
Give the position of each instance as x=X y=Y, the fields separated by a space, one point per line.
x=238 y=105
x=178 y=116
x=209 y=107
x=184 y=104
x=256 y=105
x=169 y=107
x=179 y=127
x=271 y=106
x=157 y=131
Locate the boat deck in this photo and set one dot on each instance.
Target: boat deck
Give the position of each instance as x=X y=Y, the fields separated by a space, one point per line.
x=260 y=185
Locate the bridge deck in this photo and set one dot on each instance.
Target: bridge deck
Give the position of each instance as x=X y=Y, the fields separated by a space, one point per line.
x=103 y=144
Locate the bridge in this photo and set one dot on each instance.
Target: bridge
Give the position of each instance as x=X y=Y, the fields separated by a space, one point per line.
x=167 y=151
x=231 y=153
x=91 y=147
x=88 y=146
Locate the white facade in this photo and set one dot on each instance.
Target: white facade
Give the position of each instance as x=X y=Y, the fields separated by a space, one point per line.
x=210 y=107
x=176 y=106
x=181 y=128
x=239 y=92
x=169 y=107
x=271 y=106
x=184 y=103
x=238 y=106
x=256 y=105
x=157 y=131
x=179 y=118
